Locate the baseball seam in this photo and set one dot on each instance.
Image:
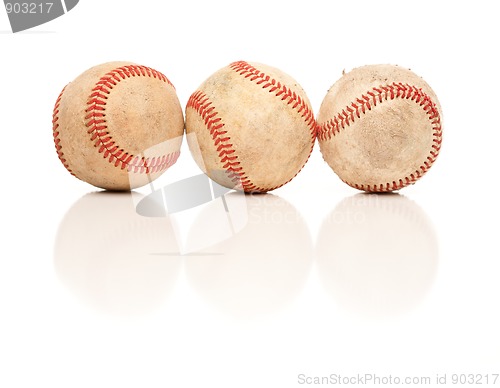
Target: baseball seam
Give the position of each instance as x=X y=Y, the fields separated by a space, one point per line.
x=98 y=130
x=205 y=109
x=201 y=104
x=372 y=98
x=279 y=90
x=55 y=132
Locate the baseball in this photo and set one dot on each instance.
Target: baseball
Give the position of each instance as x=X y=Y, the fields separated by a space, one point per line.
x=379 y=128
x=118 y=125
x=250 y=127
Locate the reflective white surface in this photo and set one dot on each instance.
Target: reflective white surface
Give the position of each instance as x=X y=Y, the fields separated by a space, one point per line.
x=311 y=279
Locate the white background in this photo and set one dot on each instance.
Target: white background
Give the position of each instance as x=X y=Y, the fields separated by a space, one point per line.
x=321 y=281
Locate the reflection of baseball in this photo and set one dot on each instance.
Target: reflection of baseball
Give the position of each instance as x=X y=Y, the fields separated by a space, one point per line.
x=377 y=255
x=118 y=125
x=379 y=128
x=250 y=127
x=262 y=267
x=113 y=259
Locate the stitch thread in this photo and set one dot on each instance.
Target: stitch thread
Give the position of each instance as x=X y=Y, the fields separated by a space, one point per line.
x=98 y=130
x=55 y=132
x=279 y=90
x=201 y=104
x=372 y=98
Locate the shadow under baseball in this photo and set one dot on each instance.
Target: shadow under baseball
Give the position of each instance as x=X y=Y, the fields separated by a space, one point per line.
x=377 y=255
x=262 y=268
x=105 y=254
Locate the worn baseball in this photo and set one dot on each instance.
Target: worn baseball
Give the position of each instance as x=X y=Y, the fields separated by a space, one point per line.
x=250 y=127
x=379 y=128
x=118 y=125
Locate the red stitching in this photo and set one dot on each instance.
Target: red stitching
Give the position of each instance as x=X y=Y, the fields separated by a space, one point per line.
x=371 y=99
x=98 y=130
x=287 y=95
x=55 y=132
x=201 y=104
